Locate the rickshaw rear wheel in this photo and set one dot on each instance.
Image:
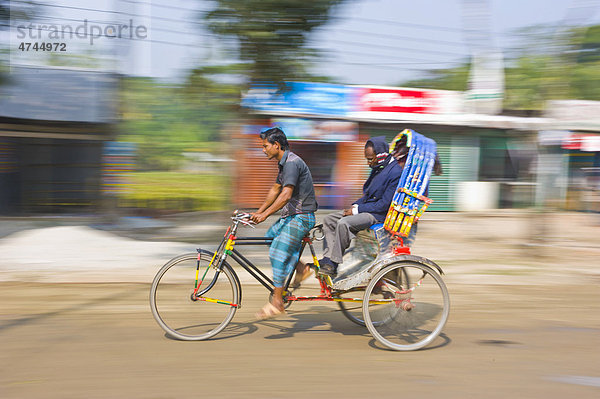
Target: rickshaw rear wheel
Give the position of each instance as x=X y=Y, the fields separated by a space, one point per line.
x=408 y=314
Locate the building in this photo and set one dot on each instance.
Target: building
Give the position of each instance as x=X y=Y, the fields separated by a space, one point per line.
x=486 y=158
x=53 y=126
x=569 y=166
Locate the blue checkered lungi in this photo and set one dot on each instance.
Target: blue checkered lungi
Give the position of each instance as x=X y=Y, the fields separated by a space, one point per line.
x=285 y=248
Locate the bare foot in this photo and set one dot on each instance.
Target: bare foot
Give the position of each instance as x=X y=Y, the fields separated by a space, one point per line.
x=277 y=299
x=303 y=272
x=269 y=311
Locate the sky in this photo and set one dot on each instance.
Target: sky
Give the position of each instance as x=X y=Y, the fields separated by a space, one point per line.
x=381 y=42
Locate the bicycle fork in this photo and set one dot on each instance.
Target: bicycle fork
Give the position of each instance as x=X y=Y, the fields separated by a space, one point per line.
x=219 y=256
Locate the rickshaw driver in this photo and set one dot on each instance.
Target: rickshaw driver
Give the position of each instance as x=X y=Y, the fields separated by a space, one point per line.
x=293 y=193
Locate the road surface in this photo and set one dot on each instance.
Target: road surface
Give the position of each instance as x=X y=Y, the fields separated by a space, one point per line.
x=74 y=340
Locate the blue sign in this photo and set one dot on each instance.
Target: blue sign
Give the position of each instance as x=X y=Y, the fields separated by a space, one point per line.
x=301 y=98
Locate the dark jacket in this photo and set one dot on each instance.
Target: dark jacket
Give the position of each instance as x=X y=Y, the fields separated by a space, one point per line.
x=380 y=187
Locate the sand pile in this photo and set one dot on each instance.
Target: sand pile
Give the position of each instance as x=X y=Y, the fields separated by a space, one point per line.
x=80 y=248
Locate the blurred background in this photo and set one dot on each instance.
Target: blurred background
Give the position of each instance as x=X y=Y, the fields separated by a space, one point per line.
x=129 y=133
x=151 y=108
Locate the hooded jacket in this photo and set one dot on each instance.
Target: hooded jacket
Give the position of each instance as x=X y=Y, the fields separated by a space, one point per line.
x=380 y=187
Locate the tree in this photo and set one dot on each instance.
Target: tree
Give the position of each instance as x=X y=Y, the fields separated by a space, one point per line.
x=585 y=56
x=589 y=50
x=16 y=11
x=270 y=35
x=444 y=79
x=547 y=64
x=165 y=120
x=205 y=88
x=13 y=12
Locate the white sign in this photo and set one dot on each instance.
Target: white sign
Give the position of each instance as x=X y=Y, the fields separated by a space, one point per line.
x=485 y=92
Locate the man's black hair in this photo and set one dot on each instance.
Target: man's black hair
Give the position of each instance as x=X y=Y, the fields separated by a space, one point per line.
x=275 y=135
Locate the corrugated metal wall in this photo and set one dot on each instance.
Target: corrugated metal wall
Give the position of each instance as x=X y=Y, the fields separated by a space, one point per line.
x=339 y=171
x=255 y=174
x=458 y=152
x=352 y=170
x=440 y=186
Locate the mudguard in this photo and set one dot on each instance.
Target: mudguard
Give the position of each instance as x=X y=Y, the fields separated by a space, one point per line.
x=412 y=258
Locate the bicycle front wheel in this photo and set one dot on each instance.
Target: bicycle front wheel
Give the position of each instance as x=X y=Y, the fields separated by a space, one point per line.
x=188 y=316
x=409 y=313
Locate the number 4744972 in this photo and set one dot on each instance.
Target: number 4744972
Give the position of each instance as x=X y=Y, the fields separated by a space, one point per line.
x=42 y=46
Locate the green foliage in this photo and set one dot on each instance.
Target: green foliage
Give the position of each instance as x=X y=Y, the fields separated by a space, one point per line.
x=561 y=65
x=22 y=10
x=589 y=51
x=167 y=120
x=73 y=60
x=17 y=12
x=585 y=80
x=4 y=13
x=3 y=66
x=528 y=83
x=204 y=89
x=271 y=35
x=548 y=64
x=177 y=191
x=444 y=79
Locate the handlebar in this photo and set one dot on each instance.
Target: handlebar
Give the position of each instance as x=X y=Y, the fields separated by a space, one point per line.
x=243 y=218
x=316 y=232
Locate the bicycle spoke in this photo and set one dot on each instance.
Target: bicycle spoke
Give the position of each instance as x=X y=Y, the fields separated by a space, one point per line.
x=192 y=309
x=416 y=311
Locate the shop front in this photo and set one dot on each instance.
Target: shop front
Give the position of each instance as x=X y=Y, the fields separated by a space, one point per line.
x=332 y=150
x=472 y=148
x=575 y=143
x=53 y=126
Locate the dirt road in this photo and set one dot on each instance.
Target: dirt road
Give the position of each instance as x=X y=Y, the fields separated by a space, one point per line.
x=100 y=341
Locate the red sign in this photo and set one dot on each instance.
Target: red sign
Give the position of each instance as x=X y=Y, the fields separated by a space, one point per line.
x=582 y=142
x=398 y=100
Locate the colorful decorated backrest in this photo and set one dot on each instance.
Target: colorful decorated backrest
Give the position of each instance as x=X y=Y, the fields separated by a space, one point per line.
x=409 y=203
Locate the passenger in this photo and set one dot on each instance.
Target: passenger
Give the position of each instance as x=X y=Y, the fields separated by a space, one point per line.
x=341 y=227
x=293 y=193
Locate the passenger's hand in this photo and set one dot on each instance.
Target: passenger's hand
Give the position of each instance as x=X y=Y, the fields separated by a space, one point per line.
x=347 y=212
x=258 y=217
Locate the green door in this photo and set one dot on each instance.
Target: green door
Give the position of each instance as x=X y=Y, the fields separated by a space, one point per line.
x=459 y=156
x=439 y=186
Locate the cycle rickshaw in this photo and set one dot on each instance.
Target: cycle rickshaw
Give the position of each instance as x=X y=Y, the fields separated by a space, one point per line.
x=399 y=297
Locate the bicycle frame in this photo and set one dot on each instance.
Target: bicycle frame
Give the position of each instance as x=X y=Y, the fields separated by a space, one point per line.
x=227 y=248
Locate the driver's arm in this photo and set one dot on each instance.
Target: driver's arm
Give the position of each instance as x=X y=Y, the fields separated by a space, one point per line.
x=279 y=202
x=282 y=199
x=271 y=197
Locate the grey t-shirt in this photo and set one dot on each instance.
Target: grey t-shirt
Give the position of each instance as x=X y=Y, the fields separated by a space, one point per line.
x=293 y=171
